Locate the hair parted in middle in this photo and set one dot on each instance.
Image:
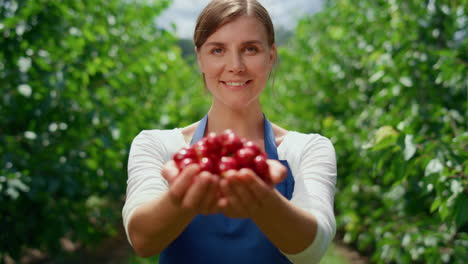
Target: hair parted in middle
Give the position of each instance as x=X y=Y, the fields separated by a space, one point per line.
x=220 y=12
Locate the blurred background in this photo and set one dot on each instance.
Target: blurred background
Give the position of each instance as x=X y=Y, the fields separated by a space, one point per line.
x=386 y=81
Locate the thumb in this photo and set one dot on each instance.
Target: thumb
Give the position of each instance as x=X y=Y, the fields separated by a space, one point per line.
x=278 y=171
x=170 y=171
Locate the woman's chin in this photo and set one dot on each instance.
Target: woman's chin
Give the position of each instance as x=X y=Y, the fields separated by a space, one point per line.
x=237 y=105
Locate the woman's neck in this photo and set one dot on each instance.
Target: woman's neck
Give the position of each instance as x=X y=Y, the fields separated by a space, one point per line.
x=246 y=123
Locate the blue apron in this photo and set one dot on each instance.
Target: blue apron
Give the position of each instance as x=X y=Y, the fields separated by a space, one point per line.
x=219 y=239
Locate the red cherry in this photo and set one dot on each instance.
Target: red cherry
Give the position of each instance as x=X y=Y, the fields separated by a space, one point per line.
x=251 y=145
x=207 y=165
x=214 y=158
x=261 y=167
x=226 y=133
x=184 y=153
x=227 y=163
x=185 y=162
x=213 y=143
x=220 y=153
x=201 y=148
x=231 y=144
x=245 y=157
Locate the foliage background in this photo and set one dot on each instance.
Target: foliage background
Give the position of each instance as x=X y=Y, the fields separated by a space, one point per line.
x=386 y=81
x=78 y=81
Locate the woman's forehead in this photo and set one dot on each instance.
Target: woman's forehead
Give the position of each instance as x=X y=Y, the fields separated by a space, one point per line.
x=241 y=29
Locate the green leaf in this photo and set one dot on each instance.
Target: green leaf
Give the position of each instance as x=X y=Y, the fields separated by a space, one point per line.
x=434 y=166
x=384 y=137
x=376 y=76
x=461 y=212
x=435 y=205
x=410 y=147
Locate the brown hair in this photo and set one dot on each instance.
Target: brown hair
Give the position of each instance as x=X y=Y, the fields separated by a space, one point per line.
x=219 y=12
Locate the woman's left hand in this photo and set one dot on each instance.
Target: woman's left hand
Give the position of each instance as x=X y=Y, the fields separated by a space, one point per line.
x=245 y=193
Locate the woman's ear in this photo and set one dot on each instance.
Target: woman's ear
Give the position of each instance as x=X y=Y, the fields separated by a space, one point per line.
x=273 y=54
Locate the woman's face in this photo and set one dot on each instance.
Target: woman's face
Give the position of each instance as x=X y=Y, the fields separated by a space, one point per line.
x=236 y=61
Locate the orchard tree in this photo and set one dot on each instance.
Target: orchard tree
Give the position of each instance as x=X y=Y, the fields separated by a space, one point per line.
x=387 y=81
x=78 y=81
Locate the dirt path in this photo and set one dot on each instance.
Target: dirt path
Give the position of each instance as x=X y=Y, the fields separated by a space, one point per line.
x=117 y=250
x=121 y=250
x=350 y=254
x=114 y=250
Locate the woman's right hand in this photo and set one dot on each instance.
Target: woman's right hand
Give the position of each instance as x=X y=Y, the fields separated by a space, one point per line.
x=190 y=189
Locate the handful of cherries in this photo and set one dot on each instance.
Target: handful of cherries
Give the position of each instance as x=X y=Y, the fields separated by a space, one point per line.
x=219 y=153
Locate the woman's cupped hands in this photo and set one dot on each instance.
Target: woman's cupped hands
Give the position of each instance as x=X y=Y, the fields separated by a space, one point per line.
x=237 y=194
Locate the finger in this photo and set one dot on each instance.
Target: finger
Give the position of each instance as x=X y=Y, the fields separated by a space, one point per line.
x=245 y=178
x=249 y=176
x=228 y=174
x=254 y=191
x=196 y=192
x=225 y=208
x=220 y=195
x=183 y=182
x=170 y=171
x=209 y=200
x=233 y=201
x=214 y=208
x=278 y=171
x=259 y=190
x=222 y=203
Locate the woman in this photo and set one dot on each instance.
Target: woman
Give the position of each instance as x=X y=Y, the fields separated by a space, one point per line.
x=179 y=214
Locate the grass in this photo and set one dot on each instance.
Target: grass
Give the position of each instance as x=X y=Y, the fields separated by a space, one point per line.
x=332 y=256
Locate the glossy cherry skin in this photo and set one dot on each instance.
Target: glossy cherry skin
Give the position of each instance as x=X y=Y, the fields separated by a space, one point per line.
x=227 y=163
x=261 y=167
x=206 y=164
x=184 y=153
x=231 y=143
x=185 y=162
x=213 y=143
x=201 y=149
x=219 y=153
x=245 y=157
x=254 y=147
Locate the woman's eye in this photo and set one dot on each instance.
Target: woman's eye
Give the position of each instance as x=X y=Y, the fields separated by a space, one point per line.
x=217 y=51
x=251 y=49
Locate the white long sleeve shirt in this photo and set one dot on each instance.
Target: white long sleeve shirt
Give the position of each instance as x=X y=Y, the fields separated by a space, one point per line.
x=311 y=158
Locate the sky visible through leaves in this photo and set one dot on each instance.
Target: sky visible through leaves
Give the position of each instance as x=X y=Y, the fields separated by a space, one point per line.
x=184 y=13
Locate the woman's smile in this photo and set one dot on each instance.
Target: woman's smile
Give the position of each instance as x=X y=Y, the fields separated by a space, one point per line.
x=236 y=85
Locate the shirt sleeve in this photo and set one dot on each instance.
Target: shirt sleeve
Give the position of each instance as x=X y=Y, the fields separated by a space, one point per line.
x=145 y=183
x=314 y=192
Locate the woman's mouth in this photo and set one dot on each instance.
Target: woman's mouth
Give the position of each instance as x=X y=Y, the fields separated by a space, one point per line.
x=236 y=85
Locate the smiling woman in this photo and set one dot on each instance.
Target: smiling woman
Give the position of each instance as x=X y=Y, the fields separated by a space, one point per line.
x=236 y=61
x=193 y=216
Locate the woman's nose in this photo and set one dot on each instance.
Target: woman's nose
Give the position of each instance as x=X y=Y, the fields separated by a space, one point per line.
x=236 y=63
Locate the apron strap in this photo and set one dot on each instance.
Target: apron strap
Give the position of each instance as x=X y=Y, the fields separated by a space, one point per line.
x=270 y=142
x=200 y=132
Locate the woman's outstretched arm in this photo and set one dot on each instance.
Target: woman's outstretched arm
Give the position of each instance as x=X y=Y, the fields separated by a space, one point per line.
x=161 y=202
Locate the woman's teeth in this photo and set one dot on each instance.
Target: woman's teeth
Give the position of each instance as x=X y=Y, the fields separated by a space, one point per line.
x=236 y=83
